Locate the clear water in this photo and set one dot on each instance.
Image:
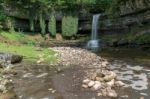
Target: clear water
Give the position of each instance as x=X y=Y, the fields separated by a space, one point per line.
x=132 y=67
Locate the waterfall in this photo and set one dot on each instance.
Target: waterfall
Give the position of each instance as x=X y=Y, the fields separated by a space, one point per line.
x=94 y=26
x=93 y=43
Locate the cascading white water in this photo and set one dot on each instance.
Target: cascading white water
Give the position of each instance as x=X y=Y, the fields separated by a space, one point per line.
x=93 y=43
x=95 y=26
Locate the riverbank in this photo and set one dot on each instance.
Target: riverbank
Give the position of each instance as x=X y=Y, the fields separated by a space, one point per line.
x=64 y=80
x=68 y=58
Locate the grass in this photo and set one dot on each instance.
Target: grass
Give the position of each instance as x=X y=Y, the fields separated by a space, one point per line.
x=25 y=47
x=18 y=37
x=29 y=52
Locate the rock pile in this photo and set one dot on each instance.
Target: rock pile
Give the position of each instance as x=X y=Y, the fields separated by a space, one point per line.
x=76 y=56
x=97 y=75
x=103 y=82
x=5 y=84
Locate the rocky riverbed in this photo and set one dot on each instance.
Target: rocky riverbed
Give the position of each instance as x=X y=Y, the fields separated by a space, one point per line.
x=79 y=74
x=97 y=76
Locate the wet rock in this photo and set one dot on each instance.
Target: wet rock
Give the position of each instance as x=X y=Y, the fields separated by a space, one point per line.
x=119 y=83
x=8 y=71
x=112 y=93
x=99 y=79
x=93 y=77
x=104 y=92
x=99 y=94
x=111 y=83
x=99 y=73
x=91 y=84
x=110 y=76
x=12 y=58
x=86 y=81
x=122 y=42
x=42 y=75
x=9 y=95
x=53 y=91
x=84 y=86
x=96 y=86
x=104 y=63
x=5 y=85
x=113 y=43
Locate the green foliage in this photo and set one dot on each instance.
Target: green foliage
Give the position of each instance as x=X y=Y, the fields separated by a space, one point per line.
x=2 y=16
x=52 y=26
x=42 y=25
x=73 y=6
x=18 y=37
x=144 y=38
x=69 y=26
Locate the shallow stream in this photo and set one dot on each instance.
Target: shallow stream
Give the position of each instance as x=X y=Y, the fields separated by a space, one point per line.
x=44 y=82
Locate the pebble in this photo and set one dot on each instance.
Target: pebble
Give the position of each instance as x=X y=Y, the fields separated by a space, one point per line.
x=99 y=94
x=111 y=83
x=99 y=79
x=91 y=83
x=53 y=91
x=42 y=75
x=112 y=93
x=85 y=86
x=119 y=83
x=86 y=81
x=96 y=86
x=111 y=76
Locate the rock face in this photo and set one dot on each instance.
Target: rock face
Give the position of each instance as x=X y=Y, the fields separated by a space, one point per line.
x=11 y=58
x=133 y=6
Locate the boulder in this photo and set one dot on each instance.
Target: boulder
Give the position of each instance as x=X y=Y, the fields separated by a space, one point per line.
x=84 y=86
x=111 y=83
x=12 y=58
x=119 y=83
x=97 y=86
x=122 y=42
x=86 y=81
x=112 y=93
x=109 y=77
x=91 y=84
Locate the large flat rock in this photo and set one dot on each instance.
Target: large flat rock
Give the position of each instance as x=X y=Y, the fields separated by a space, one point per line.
x=13 y=58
